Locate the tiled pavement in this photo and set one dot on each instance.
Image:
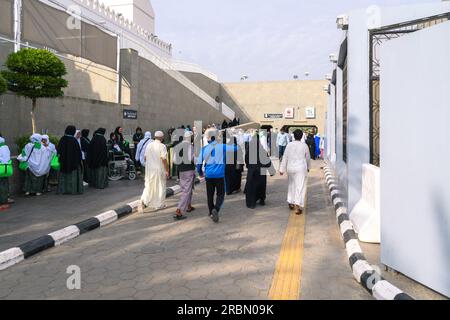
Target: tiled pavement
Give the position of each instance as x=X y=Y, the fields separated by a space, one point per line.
x=32 y=217
x=326 y=272
x=149 y=256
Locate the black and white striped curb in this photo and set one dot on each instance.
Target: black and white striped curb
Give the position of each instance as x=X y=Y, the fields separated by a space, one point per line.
x=363 y=272
x=17 y=254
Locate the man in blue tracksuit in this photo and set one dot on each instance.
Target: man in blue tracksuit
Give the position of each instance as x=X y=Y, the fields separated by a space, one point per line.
x=213 y=156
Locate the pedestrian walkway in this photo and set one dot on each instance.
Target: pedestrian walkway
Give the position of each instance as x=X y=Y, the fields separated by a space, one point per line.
x=326 y=272
x=32 y=217
x=150 y=256
x=267 y=253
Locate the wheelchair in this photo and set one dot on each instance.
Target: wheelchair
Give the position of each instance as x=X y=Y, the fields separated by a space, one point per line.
x=121 y=166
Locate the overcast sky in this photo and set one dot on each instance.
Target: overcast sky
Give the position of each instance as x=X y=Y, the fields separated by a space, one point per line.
x=263 y=39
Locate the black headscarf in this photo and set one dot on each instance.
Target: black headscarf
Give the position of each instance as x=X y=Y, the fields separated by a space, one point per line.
x=119 y=136
x=69 y=151
x=262 y=158
x=98 y=151
x=224 y=124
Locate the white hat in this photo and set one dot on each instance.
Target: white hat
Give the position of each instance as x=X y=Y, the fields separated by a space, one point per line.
x=159 y=134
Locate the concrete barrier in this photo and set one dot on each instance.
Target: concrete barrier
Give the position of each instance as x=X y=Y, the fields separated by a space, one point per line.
x=367 y=275
x=365 y=216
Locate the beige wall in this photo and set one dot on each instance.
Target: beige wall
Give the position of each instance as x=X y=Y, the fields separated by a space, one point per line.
x=160 y=100
x=90 y=80
x=258 y=98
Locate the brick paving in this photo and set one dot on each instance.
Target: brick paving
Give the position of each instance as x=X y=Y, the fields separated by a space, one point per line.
x=32 y=217
x=150 y=256
x=326 y=272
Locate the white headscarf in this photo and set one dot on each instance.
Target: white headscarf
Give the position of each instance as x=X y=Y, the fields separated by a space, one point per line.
x=304 y=138
x=36 y=138
x=140 y=150
x=5 y=154
x=51 y=146
x=38 y=158
x=83 y=156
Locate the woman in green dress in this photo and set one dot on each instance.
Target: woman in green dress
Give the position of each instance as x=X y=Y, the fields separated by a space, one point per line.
x=97 y=156
x=71 y=173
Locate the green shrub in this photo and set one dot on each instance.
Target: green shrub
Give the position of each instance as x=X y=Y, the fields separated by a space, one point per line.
x=22 y=141
x=35 y=73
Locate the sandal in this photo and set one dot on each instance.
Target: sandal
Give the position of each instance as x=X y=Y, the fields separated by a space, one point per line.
x=298 y=211
x=291 y=206
x=190 y=209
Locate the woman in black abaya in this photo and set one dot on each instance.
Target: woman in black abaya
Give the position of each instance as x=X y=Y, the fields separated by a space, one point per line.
x=98 y=160
x=71 y=175
x=233 y=169
x=258 y=162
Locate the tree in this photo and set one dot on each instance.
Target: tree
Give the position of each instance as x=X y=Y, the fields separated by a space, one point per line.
x=35 y=73
x=3 y=85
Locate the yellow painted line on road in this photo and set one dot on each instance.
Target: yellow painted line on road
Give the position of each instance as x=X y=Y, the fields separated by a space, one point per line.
x=286 y=283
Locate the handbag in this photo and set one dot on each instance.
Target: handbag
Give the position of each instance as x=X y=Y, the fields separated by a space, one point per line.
x=55 y=164
x=6 y=170
x=23 y=165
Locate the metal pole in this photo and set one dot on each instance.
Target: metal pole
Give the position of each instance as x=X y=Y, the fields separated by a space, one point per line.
x=118 y=88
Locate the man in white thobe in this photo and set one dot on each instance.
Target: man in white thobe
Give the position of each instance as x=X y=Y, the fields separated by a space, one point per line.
x=156 y=174
x=296 y=163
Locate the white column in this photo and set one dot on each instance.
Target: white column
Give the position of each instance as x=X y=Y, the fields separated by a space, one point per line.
x=17 y=24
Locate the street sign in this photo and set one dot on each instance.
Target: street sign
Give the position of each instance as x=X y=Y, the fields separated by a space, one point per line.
x=289 y=113
x=310 y=113
x=130 y=114
x=273 y=116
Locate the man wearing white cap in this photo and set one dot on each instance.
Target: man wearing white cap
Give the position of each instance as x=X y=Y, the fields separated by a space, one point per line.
x=156 y=174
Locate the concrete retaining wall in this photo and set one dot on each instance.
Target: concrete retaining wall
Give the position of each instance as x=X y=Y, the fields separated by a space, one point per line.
x=160 y=100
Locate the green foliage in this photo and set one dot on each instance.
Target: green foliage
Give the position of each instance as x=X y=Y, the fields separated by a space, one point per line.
x=22 y=141
x=3 y=85
x=35 y=73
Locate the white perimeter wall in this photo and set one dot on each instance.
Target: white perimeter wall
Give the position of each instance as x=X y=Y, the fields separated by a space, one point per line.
x=415 y=148
x=358 y=148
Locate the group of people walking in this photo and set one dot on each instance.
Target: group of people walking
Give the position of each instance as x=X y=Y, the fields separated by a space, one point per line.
x=315 y=143
x=221 y=161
